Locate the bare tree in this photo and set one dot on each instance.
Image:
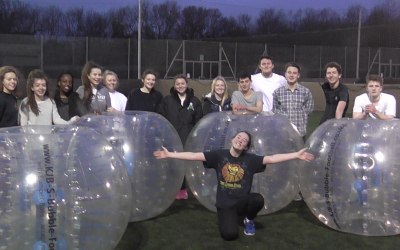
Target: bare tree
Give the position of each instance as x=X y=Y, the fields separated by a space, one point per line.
x=329 y=18
x=51 y=21
x=214 y=23
x=192 y=23
x=148 y=26
x=198 y=22
x=123 y=22
x=311 y=19
x=165 y=16
x=18 y=17
x=231 y=28
x=244 y=24
x=308 y=20
x=350 y=19
x=115 y=19
x=130 y=21
x=384 y=13
x=168 y=20
x=295 y=18
x=74 y=22
x=271 y=21
x=6 y=16
x=24 y=25
x=96 y=25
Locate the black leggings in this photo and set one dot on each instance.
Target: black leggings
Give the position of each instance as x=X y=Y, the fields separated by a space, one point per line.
x=248 y=206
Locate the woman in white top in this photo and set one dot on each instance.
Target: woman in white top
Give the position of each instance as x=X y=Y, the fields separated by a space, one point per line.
x=37 y=108
x=111 y=82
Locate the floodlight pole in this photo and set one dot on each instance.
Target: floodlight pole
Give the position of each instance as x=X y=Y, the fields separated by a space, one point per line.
x=139 y=39
x=358 y=46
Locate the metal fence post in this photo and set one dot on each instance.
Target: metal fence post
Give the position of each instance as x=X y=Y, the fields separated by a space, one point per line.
x=166 y=57
x=379 y=63
x=320 y=61
x=345 y=62
x=87 y=48
x=219 y=58
x=129 y=57
x=234 y=77
x=41 y=52
x=183 y=57
x=294 y=52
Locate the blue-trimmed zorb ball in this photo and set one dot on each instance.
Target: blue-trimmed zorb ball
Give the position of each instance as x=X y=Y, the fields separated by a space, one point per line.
x=135 y=135
x=271 y=134
x=61 y=188
x=353 y=183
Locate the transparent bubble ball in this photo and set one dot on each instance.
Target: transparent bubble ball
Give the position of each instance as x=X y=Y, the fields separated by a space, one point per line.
x=135 y=135
x=353 y=184
x=271 y=134
x=61 y=187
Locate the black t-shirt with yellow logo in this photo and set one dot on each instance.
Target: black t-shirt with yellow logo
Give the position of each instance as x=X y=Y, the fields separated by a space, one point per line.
x=234 y=174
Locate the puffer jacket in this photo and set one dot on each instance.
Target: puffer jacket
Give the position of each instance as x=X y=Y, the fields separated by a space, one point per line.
x=182 y=117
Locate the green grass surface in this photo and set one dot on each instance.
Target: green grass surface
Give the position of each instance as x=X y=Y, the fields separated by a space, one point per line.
x=188 y=225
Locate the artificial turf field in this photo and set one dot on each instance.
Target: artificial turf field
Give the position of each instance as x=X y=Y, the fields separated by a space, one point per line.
x=189 y=225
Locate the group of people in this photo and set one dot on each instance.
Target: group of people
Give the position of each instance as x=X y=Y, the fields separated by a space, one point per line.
x=265 y=91
x=270 y=92
x=38 y=108
x=372 y=104
x=97 y=94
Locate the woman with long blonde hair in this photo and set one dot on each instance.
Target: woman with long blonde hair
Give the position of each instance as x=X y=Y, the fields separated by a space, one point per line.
x=218 y=99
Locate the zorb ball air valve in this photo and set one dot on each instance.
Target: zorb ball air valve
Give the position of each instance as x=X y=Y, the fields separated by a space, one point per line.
x=271 y=134
x=353 y=183
x=135 y=135
x=61 y=187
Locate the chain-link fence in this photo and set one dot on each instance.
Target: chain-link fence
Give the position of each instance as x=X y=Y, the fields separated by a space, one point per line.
x=199 y=59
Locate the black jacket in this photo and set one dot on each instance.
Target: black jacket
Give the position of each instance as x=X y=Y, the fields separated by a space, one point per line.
x=183 y=118
x=211 y=104
x=69 y=109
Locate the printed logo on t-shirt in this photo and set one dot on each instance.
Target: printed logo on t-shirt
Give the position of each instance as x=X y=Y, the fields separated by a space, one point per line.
x=99 y=97
x=232 y=173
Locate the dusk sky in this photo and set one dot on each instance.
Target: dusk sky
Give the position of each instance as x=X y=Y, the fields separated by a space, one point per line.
x=227 y=7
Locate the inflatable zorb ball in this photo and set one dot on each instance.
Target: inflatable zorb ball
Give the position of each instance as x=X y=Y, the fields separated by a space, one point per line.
x=271 y=134
x=353 y=183
x=135 y=135
x=61 y=188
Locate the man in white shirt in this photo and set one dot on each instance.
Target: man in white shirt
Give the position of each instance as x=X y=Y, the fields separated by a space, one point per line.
x=267 y=82
x=374 y=104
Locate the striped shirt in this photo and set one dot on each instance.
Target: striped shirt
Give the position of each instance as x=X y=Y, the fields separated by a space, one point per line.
x=295 y=105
